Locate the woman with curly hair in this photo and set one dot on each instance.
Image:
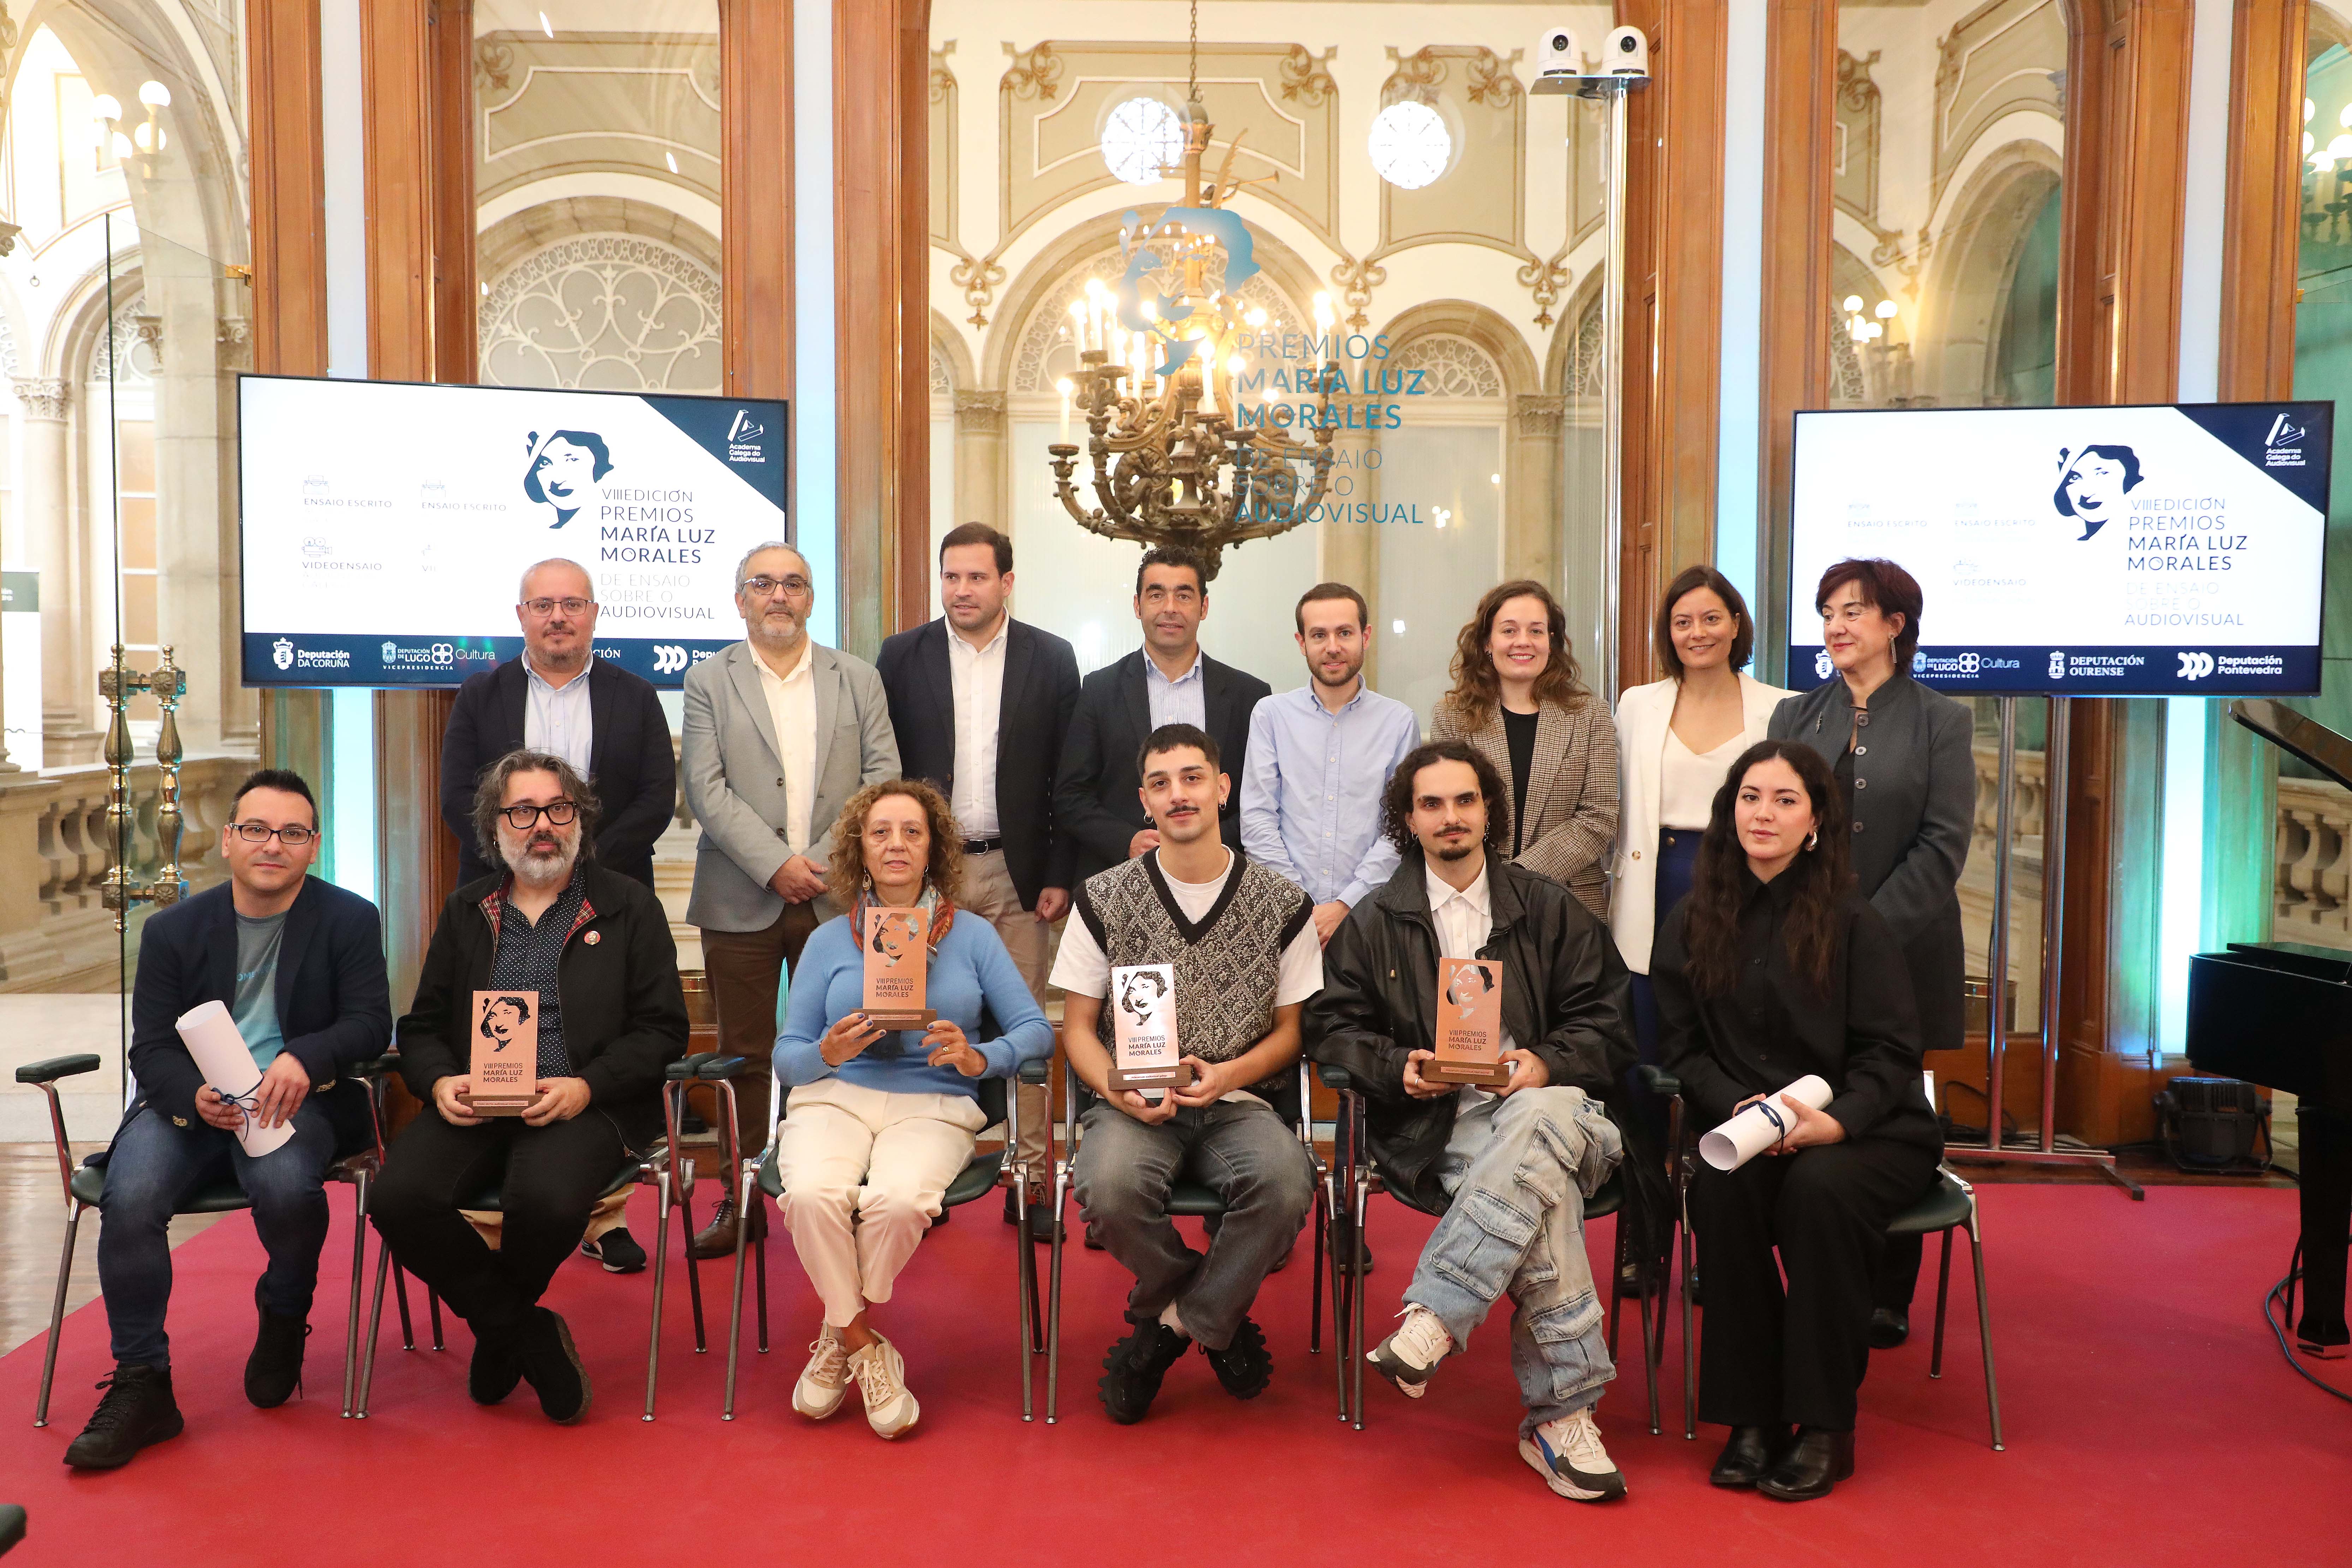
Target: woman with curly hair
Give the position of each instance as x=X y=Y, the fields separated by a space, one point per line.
x=879 y=1121
x=1518 y=698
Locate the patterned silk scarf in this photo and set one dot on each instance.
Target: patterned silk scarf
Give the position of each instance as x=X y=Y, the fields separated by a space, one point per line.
x=941 y=910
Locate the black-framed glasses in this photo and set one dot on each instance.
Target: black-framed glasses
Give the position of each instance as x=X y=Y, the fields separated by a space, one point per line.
x=545 y=607
x=524 y=818
x=294 y=835
x=766 y=587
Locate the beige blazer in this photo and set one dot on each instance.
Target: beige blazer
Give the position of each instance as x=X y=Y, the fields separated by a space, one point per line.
x=1572 y=829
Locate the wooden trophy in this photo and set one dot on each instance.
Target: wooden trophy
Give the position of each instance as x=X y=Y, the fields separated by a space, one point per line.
x=1144 y=1054
x=898 y=967
x=1469 y=1043
x=505 y=1068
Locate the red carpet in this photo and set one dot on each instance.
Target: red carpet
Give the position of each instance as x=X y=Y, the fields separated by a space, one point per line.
x=2148 y=1420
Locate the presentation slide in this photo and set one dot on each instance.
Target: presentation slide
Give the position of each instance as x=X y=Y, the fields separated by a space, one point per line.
x=2172 y=550
x=385 y=526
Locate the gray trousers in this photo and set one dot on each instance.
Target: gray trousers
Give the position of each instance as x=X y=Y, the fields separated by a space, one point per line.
x=1516 y=1226
x=1242 y=1151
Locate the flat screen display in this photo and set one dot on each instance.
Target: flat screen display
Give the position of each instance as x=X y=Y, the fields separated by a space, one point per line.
x=384 y=526
x=2096 y=552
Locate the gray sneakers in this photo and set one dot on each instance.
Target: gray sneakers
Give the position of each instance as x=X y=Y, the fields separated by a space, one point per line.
x=1568 y=1455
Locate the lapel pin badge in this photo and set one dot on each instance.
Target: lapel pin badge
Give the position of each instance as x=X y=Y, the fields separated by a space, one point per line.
x=593 y=937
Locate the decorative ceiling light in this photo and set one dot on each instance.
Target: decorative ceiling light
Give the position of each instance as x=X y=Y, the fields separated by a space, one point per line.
x=1410 y=145
x=1141 y=140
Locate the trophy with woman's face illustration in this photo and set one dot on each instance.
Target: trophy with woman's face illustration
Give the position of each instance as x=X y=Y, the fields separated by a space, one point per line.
x=504 y=1072
x=1469 y=1037
x=898 y=968
x=1144 y=1052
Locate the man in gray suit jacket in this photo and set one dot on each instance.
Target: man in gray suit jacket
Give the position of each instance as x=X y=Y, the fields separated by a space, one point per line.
x=780 y=733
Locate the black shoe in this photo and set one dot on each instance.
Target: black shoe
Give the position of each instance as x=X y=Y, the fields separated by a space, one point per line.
x=1813 y=1464
x=496 y=1368
x=274 y=1371
x=137 y=1410
x=1340 y=1230
x=617 y=1250
x=1749 y=1455
x=1041 y=1218
x=552 y=1366
x=1133 y=1371
x=716 y=1239
x=1889 y=1327
x=1245 y=1366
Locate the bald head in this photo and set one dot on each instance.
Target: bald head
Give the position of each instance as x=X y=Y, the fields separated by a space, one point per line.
x=556 y=604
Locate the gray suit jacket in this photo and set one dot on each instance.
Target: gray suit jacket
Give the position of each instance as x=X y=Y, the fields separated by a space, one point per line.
x=734 y=776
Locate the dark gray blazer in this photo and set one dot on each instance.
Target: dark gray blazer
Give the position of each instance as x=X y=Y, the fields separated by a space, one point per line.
x=1915 y=803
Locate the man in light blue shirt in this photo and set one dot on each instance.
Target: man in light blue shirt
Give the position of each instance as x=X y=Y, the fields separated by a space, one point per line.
x=1319 y=760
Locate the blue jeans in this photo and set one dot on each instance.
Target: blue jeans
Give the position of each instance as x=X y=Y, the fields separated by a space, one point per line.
x=1516 y=1226
x=154 y=1166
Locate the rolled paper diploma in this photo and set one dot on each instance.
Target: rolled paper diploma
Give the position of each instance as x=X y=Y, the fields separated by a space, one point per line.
x=1757 y=1126
x=212 y=1037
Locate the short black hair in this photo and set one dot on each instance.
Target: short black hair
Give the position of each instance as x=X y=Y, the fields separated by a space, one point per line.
x=282 y=779
x=1396 y=801
x=1173 y=555
x=1323 y=591
x=1170 y=737
x=979 y=533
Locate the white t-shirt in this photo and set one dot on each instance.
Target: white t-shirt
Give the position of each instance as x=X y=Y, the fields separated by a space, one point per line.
x=1082 y=970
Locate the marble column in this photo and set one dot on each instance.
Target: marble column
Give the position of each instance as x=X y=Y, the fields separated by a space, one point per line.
x=44 y=497
x=982 y=484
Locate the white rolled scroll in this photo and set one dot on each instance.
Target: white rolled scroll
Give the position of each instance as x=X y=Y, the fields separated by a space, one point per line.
x=222 y=1056
x=1757 y=1126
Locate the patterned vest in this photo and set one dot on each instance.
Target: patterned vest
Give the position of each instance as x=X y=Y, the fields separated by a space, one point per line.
x=1226 y=966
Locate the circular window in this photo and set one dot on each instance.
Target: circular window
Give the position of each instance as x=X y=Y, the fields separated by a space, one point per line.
x=1410 y=145
x=1141 y=140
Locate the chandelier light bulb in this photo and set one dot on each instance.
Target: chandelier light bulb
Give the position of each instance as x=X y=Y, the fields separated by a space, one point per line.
x=2309 y=142
x=121 y=147
x=2341 y=147
x=1854 y=304
x=144 y=134
x=154 y=95
x=2319 y=160
x=2309 y=109
x=105 y=107
x=1887 y=309
x=2344 y=116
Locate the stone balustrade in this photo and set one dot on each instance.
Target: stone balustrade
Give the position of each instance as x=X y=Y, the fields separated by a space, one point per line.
x=2313 y=902
x=2025 y=872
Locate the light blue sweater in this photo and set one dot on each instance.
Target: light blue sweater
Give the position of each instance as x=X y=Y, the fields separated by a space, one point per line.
x=971 y=967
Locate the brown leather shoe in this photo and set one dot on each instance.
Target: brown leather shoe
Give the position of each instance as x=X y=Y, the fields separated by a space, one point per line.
x=718 y=1238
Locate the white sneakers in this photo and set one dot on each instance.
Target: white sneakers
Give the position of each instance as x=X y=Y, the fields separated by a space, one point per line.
x=1409 y=1356
x=881 y=1375
x=1568 y=1456
x=825 y=1380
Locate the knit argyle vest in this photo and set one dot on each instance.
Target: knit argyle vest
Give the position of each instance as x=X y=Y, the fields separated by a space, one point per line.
x=1227 y=964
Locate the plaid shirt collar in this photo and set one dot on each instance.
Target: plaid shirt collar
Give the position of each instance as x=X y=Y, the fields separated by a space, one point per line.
x=494 y=902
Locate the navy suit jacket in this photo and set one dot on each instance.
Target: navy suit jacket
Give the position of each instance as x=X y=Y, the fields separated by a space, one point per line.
x=335 y=1002
x=1095 y=794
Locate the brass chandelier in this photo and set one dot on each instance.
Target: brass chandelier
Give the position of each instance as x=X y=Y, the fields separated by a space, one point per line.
x=1175 y=458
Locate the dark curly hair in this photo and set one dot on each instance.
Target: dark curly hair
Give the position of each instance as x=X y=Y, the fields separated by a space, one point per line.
x=491 y=794
x=1821 y=874
x=1396 y=801
x=845 y=874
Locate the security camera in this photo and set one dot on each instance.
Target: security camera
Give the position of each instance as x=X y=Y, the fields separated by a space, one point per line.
x=1556 y=55
x=1627 y=53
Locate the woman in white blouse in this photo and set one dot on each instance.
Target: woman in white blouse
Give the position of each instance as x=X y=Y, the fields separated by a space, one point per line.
x=1676 y=739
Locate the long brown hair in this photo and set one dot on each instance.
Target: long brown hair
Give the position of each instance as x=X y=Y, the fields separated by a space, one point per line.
x=846 y=877
x=1821 y=874
x=1477 y=688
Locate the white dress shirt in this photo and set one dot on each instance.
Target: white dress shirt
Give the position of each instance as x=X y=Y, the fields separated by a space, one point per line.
x=978 y=677
x=791 y=709
x=1463 y=919
x=1184 y=700
x=557 y=718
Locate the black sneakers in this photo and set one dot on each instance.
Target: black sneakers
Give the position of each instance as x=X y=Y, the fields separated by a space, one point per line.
x=1889 y=1327
x=1245 y=1366
x=617 y=1250
x=274 y=1371
x=1133 y=1370
x=496 y=1368
x=138 y=1409
x=552 y=1366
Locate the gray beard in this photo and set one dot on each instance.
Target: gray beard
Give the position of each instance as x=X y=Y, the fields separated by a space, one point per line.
x=542 y=871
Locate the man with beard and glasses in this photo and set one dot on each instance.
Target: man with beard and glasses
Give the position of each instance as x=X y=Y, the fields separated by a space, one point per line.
x=594 y=947
x=779 y=731
x=1508 y=1168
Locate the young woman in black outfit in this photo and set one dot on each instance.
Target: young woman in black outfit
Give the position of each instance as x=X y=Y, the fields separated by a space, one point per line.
x=1772 y=968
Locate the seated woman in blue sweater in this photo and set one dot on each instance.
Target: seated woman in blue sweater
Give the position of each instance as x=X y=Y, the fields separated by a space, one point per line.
x=880 y=1122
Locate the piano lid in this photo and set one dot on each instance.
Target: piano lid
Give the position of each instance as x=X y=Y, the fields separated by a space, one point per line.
x=2289 y=730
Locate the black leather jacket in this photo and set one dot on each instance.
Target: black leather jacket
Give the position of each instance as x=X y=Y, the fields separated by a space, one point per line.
x=1565 y=997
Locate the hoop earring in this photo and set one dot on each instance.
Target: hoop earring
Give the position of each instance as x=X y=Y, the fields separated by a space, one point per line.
x=1814 y=838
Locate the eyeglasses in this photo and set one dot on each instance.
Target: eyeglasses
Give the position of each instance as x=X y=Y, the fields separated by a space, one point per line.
x=293 y=837
x=524 y=818
x=546 y=607
x=769 y=587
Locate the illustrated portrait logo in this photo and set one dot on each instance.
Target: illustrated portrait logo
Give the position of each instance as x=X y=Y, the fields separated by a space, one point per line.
x=2092 y=483
x=1141 y=996
x=894 y=938
x=564 y=470
x=502 y=1017
x=1469 y=989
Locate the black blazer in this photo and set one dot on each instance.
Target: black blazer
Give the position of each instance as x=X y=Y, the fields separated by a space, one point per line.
x=623 y=1010
x=334 y=1005
x=1096 y=796
x=629 y=761
x=1915 y=806
x=1041 y=689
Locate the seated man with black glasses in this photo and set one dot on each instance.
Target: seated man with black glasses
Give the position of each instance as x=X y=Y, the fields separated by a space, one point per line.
x=298 y=964
x=594 y=948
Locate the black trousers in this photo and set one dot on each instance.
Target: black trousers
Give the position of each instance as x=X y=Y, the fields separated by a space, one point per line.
x=1796 y=1354
x=548 y=1179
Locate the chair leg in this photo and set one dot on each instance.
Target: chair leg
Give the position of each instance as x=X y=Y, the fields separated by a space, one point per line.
x=1024 y=1265
x=1690 y=1358
x=760 y=1288
x=375 y=1324
x=1356 y=1298
x=56 y=1315
x=1315 y=1300
x=1338 y=1300
x=1984 y=1331
x=684 y=1202
x=1616 y=1280
x=359 y=1280
x=735 y=1307
x=433 y=1310
x=1943 y=1289
x=661 y=1268
x=400 y=1298
x=1649 y=1364
x=1054 y=1298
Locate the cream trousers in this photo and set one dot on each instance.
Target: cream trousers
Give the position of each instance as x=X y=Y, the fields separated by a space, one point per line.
x=863 y=1173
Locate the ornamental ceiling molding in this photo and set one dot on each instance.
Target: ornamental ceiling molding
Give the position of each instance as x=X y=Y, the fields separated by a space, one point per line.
x=946 y=177
x=2007 y=57
x=1477 y=92
x=605 y=102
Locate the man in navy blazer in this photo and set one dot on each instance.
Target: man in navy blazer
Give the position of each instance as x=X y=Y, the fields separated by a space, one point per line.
x=1097 y=795
x=557 y=696
x=298 y=964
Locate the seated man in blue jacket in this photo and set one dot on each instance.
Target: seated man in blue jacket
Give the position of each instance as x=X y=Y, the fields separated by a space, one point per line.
x=300 y=964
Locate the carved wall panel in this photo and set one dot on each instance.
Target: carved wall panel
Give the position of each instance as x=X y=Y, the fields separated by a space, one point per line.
x=635 y=103
x=1482 y=197
x=607 y=312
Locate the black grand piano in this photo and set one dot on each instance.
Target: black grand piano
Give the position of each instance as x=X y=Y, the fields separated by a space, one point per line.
x=2280 y=1015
